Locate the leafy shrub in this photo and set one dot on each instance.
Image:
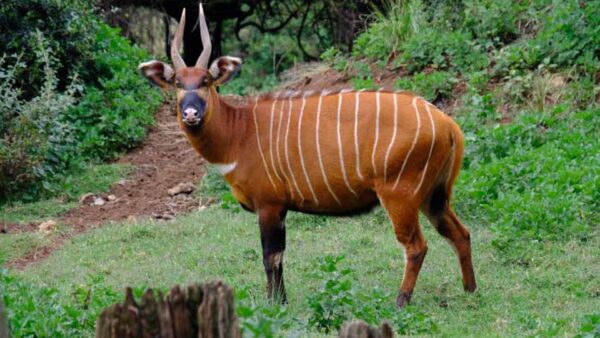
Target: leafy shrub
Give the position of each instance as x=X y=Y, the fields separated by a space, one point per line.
x=433 y=86
x=338 y=301
x=33 y=144
x=260 y=321
x=569 y=36
x=114 y=115
x=390 y=29
x=45 y=134
x=69 y=30
x=492 y=20
x=590 y=328
x=39 y=311
x=442 y=50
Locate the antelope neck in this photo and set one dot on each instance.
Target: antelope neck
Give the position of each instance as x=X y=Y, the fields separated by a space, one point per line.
x=217 y=139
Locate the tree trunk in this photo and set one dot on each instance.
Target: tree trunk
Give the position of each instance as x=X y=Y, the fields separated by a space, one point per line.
x=3 y=322
x=360 y=329
x=200 y=310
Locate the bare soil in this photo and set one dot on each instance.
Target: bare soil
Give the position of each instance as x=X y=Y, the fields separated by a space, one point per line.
x=164 y=160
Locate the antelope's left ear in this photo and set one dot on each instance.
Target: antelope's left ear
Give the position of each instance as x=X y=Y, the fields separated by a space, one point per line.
x=224 y=68
x=158 y=73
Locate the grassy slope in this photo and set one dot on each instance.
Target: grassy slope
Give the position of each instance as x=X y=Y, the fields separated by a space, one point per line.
x=94 y=178
x=549 y=291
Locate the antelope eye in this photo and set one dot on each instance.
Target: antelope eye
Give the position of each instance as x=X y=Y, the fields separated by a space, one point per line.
x=205 y=82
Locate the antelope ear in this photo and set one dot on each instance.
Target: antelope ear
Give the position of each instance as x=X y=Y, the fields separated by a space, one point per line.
x=224 y=68
x=158 y=73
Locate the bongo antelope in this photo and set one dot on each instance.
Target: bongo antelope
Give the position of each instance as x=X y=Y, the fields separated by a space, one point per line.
x=323 y=152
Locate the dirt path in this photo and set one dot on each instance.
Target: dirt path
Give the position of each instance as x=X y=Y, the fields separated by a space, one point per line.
x=164 y=160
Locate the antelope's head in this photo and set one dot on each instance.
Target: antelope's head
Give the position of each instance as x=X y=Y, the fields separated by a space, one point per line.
x=193 y=84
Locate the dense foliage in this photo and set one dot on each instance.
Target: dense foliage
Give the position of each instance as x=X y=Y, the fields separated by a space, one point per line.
x=520 y=77
x=73 y=96
x=524 y=80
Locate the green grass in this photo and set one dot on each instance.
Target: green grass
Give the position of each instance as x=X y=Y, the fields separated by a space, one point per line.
x=550 y=288
x=94 y=178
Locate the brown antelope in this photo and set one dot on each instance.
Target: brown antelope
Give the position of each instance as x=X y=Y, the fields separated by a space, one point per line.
x=323 y=152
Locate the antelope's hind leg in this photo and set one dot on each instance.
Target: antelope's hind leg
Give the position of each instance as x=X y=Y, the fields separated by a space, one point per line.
x=271 y=221
x=437 y=209
x=405 y=219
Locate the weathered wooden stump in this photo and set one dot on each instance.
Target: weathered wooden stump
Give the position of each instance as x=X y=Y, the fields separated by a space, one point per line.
x=3 y=321
x=360 y=329
x=198 y=311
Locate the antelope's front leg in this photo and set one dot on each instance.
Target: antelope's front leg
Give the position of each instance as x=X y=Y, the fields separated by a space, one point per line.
x=271 y=221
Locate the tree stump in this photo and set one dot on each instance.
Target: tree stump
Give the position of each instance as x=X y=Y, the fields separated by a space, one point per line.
x=360 y=329
x=198 y=311
x=3 y=321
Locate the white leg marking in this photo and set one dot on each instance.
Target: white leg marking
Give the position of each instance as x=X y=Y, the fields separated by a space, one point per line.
x=339 y=138
x=356 y=136
x=389 y=149
x=271 y=141
x=283 y=173
x=287 y=156
x=424 y=173
x=376 y=134
x=262 y=155
x=414 y=143
x=319 y=150
x=300 y=151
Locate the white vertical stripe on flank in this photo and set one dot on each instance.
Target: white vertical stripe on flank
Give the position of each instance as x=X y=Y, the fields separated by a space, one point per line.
x=430 y=148
x=287 y=156
x=300 y=150
x=414 y=143
x=389 y=149
x=283 y=173
x=262 y=155
x=271 y=140
x=356 y=107
x=323 y=93
x=339 y=137
x=376 y=134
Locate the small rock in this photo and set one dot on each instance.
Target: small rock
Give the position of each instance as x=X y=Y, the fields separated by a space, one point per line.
x=99 y=201
x=202 y=208
x=122 y=182
x=87 y=198
x=111 y=197
x=181 y=188
x=47 y=227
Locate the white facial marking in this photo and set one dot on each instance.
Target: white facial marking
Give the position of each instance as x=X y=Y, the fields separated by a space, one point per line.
x=190 y=111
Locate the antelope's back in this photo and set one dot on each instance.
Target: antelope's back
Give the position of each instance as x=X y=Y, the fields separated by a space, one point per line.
x=327 y=153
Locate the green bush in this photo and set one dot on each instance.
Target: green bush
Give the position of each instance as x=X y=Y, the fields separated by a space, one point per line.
x=433 y=86
x=48 y=131
x=33 y=143
x=384 y=37
x=68 y=27
x=338 y=300
x=441 y=50
x=40 y=311
x=114 y=115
